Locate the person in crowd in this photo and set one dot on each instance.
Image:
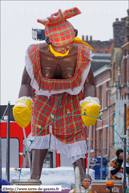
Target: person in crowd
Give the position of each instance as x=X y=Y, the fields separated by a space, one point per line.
x=85 y=185
x=4 y=182
x=127 y=173
x=115 y=167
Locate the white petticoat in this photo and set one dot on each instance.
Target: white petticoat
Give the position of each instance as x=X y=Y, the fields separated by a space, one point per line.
x=74 y=151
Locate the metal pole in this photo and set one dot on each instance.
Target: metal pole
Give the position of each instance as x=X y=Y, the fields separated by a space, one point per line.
x=51 y=159
x=77 y=180
x=124 y=148
x=101 y=175
x=89 y=150
x=24 y=133
x=8 y=146
x=108 y=131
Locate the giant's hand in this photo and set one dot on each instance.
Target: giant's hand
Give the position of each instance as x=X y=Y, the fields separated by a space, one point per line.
x=22 y=111
x=92 y=107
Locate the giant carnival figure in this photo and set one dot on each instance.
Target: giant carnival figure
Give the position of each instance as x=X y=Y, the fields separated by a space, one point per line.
x=56 y=77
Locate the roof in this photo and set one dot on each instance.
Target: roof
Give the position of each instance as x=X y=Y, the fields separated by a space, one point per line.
x=99 y=60
x=96 y=66
x=101 y=53
x=102 y=69
x=101 y=46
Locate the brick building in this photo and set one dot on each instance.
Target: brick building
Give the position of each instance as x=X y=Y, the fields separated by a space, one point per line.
x=125 y=60
x=101 y=66
x=110 y=66
x=119 y=87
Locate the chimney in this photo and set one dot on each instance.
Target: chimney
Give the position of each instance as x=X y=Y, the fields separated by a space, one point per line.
x=118 y=33
x=127 y=26
x=82 y=37
x=87 y=38
x=90 y=38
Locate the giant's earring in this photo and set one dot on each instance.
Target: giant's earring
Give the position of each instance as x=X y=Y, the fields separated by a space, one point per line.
x=47 y=48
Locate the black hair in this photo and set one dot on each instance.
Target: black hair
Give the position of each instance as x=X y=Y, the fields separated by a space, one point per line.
x=48 y=41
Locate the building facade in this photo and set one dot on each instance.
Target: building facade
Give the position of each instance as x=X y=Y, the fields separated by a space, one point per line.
x=110 y=66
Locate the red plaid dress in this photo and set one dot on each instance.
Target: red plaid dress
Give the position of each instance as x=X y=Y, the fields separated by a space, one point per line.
x=67 y=129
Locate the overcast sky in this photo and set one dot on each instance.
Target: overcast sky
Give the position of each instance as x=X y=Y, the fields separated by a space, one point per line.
x=19 y=17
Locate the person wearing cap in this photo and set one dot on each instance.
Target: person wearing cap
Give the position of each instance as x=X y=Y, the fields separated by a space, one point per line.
x=115 y=167
x=85 y=185
x=57 y=76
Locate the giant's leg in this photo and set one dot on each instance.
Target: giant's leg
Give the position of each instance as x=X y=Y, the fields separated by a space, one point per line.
x=37 y=159
x=80 y=164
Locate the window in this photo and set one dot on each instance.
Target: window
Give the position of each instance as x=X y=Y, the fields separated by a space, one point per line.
x=105 y=140
x=113 y=73
x=101 y=96
x=92 y=141
x=126 y=96
x=125 y=70
x=125 y=67
x=104 y=134
x=107 y=95
x=98 y=142
x=99 y=147
x=112 y=131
